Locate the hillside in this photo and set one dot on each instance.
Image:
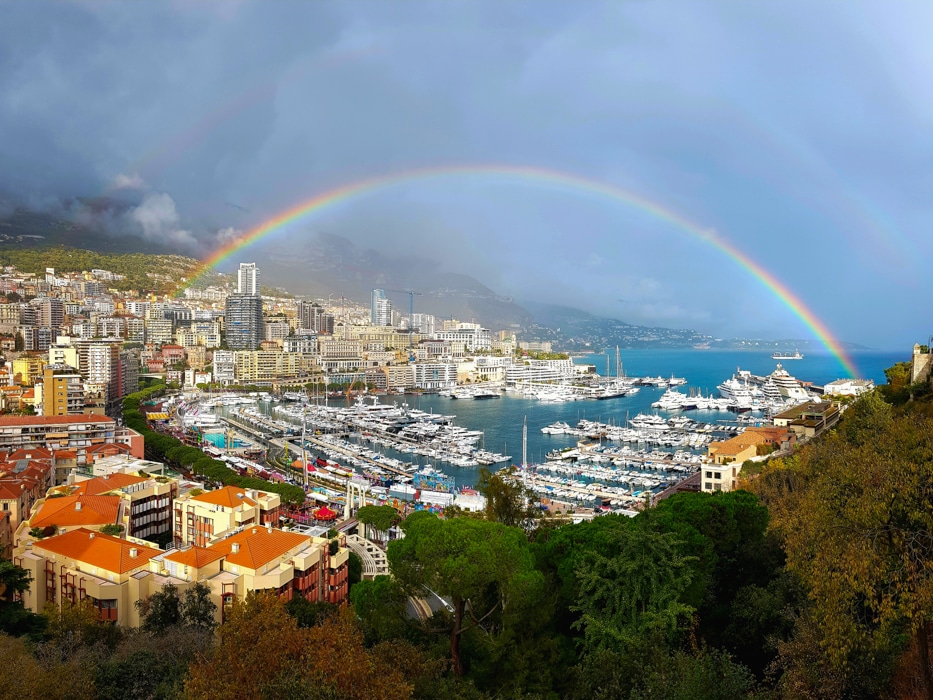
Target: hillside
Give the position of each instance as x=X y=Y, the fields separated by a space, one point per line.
x=144 y=272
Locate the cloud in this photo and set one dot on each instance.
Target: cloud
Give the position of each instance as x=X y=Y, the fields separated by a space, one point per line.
x=128 y=182
x=227 y=235
x=158 y=220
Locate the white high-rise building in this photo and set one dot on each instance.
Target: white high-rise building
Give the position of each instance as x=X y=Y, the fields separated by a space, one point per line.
x=248 y=279
x=378 y=308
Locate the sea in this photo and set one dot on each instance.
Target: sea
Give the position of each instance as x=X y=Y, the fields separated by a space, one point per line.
x=501 y=420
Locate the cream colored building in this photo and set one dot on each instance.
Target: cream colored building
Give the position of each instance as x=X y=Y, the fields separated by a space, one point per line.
x=268 y=365
x=115 y=573
x=205 y=517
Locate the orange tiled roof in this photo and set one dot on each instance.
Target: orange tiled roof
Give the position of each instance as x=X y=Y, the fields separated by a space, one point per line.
x=228 y=497
x=94 y=548
x=12 y=421
x=10 y=490
x=195 y=557
x=64 y=511
x=259 y=546
x=103 y=484
x=30 y=453
x=111 y=447
x=66 y=454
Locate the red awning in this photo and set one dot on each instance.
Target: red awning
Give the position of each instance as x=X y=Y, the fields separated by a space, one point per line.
x=324 y=513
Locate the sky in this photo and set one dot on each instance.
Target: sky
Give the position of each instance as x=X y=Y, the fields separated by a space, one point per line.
x=795 y=132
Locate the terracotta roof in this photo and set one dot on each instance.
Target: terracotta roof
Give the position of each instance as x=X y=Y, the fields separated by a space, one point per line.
x=259 y=546
x=111 y=447
x=66 y=454
x=103 y=484
x=64 y=511
x=30 y=453
x=11 y=489
x=6 y=421
x=195 y=557
x=228 y=497
x=94 y=548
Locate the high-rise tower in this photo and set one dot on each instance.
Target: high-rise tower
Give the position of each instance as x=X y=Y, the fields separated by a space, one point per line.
x=248 y=279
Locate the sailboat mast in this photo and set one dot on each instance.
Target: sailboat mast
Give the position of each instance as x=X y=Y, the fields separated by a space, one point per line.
x=525 y=452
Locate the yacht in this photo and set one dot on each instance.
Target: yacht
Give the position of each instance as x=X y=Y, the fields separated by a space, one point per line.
x=788 y=386
x=779 y=355
x=737 y=384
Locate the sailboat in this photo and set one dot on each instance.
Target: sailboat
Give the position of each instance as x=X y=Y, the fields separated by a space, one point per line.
x=615 y=388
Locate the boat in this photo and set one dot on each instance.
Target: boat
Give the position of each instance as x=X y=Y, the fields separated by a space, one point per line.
x=787 y=385
x=781 y=355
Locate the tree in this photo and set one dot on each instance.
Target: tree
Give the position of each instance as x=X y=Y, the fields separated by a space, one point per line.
x=263 y=653
x=632 y=596
x=15 y=619
x=381 y=605
x=507 y=501
x=161 y=610
x=308 y=614
x=197 y=608
x=485 y=569
x=856 y=515
x=112 y=529
x=380 y=518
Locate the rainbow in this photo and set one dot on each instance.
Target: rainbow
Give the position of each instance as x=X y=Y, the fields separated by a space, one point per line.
x=546 y=177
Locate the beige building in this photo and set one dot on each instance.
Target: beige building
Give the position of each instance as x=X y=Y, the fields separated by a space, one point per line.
x=115 y=573
x=205 y=517
x=250 y=366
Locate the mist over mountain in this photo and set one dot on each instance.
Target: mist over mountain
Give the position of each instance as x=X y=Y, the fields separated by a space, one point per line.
x=328 y=264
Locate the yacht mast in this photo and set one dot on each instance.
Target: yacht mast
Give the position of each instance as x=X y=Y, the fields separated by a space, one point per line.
x=525 y=452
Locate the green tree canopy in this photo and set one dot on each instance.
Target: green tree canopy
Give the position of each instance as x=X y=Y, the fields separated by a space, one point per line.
x=484 y=569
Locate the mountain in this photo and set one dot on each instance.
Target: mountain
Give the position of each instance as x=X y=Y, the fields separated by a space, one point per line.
x=24 y=228
x=329 y=264
x=577 y=330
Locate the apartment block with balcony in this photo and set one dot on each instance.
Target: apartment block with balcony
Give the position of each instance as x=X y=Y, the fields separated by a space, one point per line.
x=202 y=518
x=76 y=433
x=84 y=564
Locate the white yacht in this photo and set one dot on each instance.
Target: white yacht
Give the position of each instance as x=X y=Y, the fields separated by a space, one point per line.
x=787 y=385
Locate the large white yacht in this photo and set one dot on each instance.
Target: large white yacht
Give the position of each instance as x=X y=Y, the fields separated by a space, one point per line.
x=736 y=386
x=789 y=387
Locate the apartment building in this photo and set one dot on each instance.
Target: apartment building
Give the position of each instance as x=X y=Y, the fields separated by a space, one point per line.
x=115 y=573
x=62 y=513
x=268 y=365
x=201 y=518
x=148 y=499
x=75 y=433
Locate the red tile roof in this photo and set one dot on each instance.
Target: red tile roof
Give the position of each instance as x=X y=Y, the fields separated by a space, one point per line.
x=30 y=453
x=65 y=511
x=195 y=557
x=11 y=489
x=94 y=548
x=13 y=421
x=258 y=546
x=228 y=497
x=103 y=484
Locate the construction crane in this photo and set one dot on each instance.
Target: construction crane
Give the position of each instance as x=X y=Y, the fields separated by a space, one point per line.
x=411 y=313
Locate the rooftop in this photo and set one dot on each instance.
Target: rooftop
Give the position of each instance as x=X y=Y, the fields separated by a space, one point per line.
x=228 y=497
x=96 y=549
x=103 y=484
x=259 y=545
x=195 y=557
x=77 y=510
x=13 y=421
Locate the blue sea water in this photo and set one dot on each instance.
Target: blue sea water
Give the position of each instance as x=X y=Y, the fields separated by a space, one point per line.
x=501 y=419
